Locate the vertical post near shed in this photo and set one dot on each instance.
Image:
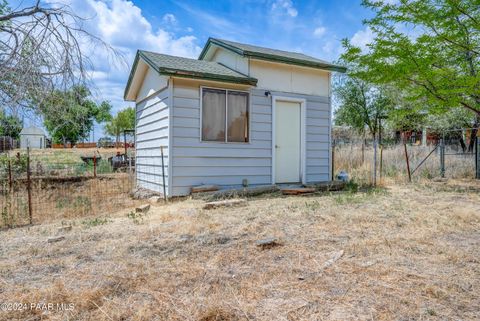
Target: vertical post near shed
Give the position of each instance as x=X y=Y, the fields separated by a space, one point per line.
x=10 y=181
x=29 y=187
x=408 y=163
x=442 y=157
x=333 y=160
x=163 y=175
x=477 y=157
x=374 y=160
x=381 y=163
x=363 y=152
x=94 y=165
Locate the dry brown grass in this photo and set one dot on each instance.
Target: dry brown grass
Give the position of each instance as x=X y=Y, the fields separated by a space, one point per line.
x=410 y=253
x=349 y=159
x=58 y=198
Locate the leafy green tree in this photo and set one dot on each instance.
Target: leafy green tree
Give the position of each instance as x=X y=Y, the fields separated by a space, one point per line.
x=361 y=105
x=10 y=125
x=69 y=115
x=124 y=120
x=430 y=49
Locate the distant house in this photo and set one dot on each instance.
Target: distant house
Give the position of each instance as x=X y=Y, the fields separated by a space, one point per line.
x=239 y=114
x=32 y=137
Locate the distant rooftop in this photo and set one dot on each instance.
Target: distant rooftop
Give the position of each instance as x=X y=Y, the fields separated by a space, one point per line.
x=32 y=130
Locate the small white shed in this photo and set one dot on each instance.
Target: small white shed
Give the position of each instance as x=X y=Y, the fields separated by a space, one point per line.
x=239 y=114
x=32 y=137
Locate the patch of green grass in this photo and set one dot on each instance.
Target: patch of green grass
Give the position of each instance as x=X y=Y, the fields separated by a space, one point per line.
x=95 y=222
x=104 y=167
x=353 y=194
x=137 y=218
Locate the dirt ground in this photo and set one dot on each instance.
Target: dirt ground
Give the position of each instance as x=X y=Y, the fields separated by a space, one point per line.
x=405 y=252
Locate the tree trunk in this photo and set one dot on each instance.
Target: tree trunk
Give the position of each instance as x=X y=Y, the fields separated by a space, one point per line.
x=473 y=133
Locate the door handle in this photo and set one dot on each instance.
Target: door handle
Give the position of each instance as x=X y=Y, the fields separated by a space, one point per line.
x=276 y=146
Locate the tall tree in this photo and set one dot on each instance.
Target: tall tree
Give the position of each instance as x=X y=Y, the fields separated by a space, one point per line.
x=124 y=120
x=361 y=104
x=428 y=48
x=69 y=115
x=10 y=125
x=42 y=48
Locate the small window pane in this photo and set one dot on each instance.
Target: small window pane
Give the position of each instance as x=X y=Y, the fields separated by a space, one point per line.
x=237 y=116
x=213 y=115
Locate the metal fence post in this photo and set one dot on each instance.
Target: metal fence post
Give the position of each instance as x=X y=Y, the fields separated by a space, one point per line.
x=363 y=151
x=10 y=181
x=94 y=165
x=442 y=157
x=333 y=160
x=29 y=188
x=381 y=163
x=408 y=163
x=375 y=161
x=163 y=175
x=477 y=157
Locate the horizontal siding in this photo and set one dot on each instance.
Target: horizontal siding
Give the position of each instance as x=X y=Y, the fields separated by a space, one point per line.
x=152 y=130
x=195 y=162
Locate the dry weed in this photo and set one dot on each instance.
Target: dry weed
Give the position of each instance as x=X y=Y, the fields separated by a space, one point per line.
x=410 y=252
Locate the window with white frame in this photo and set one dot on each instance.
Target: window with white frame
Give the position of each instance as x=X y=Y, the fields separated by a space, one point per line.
x=225 y=115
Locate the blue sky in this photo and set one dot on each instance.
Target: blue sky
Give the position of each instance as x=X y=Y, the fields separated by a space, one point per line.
x=182 y=28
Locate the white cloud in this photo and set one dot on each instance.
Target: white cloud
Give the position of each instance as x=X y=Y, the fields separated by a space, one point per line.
x=320 y=31
x=391 y=2
x=121 y=24
x=169 y=18
x=286 y=6
x=362 y=38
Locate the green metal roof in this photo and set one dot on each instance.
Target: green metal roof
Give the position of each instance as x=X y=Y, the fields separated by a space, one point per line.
x=288 y=57
x=189 y=68
x=193 y=68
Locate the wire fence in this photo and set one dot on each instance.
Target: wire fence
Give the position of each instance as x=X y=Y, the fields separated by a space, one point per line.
x=370 y=162
x=36 y=188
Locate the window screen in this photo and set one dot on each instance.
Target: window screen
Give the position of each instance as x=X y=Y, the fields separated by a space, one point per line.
x=225 y=112
x=237 y=116
x=213 y=115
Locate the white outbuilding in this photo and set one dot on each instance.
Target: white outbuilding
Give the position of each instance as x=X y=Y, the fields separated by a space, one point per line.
x=32 y=137
x=239 y=114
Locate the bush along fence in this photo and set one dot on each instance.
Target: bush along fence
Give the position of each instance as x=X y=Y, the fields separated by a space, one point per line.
x=371 y=162
x=35 y=189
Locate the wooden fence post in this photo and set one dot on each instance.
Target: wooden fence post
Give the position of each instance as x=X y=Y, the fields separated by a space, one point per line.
x=29 y=188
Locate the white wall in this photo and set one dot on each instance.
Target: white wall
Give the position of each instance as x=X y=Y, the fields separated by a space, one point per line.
x=290 y=78
x=152 y=132
x=195 y=163
x=152 y=82
x=32 y=141
x=231 y=60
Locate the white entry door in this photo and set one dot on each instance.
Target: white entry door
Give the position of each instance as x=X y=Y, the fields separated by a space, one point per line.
x=287 y=142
